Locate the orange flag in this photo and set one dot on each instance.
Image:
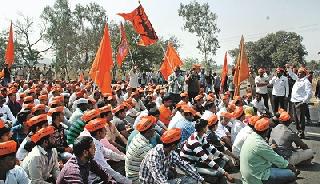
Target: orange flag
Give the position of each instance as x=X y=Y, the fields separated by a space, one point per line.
x=242 y=68
x=123 y=47
x=142 y=26
x=9 y=56
x=100 y=71
x=171 y=62
x=224 y=73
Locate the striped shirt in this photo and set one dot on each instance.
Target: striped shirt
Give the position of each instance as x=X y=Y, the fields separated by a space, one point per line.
x=138 y=148
x=155 y=166
x=197 y=149
x=74 y=131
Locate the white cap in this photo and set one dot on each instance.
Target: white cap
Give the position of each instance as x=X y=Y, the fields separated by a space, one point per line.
x=81 y=101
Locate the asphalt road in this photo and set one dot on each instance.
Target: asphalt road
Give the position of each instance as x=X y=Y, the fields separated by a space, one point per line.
x=310 y=174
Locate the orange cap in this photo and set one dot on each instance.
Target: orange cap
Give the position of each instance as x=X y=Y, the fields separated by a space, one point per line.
x=57 y=109
x=28 y=99
x=237 y=112
x=280 y=110
x=253 y=120
x=262 y=124
x=79 y=94
x=301 y=69
x=96 y=124
x=171 y=135
x=278 y=70
x=231 y=107
x=145 y=123
x=58 y=98
x=225 y=97
x=226 y=115
x=1 y=123
x=212 y=120
x=43 y=132
x=38 y=107
x=7 y=148
x=180 y=104
x=118 y=108
x=36 y=119
x=284 y=116
x=22 y=95
x=90 y=115
x=106 y=108
x=54 y=102
x=43 y=97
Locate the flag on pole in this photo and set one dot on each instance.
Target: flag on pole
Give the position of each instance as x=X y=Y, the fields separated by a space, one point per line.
x=123 y=47
x=224 y=73
x=142 y=26
x=81 y=77
x=171 y=62
x=100 y=71
x=241 y=68
x=9 y=56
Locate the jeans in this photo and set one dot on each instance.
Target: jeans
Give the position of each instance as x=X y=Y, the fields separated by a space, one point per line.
x=278 y=176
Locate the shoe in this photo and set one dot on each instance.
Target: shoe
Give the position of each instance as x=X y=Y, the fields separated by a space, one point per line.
x=301 y=135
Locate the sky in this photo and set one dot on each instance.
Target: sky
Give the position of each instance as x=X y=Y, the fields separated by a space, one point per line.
x=252 y=18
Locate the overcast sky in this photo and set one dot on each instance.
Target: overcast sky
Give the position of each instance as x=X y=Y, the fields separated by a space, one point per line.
x=252 y=18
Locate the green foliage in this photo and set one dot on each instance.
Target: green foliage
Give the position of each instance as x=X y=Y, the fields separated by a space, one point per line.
x=188 y=62
x=276 y=49
x=201 y=21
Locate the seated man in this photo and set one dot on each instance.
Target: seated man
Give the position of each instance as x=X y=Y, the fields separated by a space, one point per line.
x=41 y=164
x=197 y=151
x=257 y=158
x=5 y=131
x=282 y=138
x=237 y=124
x=186 y=123
x=222 y=130
x=9 y=171
x=119 y=122
x=77 y=169
x=242 y=135
x=156 y=164
x=97 y=130
x=139 y=147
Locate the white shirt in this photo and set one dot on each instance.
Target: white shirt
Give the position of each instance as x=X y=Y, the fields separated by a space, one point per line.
x=240 y=138
x=301 y=91
x=100 y=157
x=133 y=79
x=17 y=175
x=206 y=115
x=175 y=119
x=262 y=89
x=259 y=105
x=237 y=125
x=158 y=102
x=280 y=86
x=6 y=113
x=221 y=131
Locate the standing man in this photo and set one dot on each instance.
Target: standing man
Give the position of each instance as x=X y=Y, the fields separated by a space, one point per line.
x=301 y=94
x=280 y=89
x=175 y=82
x=261 y=82
x=134 y=78
x=217 y=84
x=210 y=80
x=7 y=75
x=193 y=83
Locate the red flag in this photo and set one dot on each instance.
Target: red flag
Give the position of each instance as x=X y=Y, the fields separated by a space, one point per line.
x=171 y=62
x=100 y=71
x=142 y=26
x=224 y=72
x=123 y=47
x=9 y=56
x=242 y=68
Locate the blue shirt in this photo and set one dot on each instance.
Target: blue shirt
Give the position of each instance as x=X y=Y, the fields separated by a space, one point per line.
x=187 y=128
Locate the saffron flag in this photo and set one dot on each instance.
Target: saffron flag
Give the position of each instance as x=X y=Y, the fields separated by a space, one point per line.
x=224 y=73
x=242 y=68
x=81 y=77
x=9 y=56
x=142 y=26
x=171 y=62
x=123 y=47
x=100 y=71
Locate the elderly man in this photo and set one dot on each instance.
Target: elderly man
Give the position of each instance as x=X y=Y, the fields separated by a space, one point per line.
x=262 y=83
x=257 y=158
x=175 y=82
x=283 y=137
x=301 y=94
x=156 y=164
x=139 y=147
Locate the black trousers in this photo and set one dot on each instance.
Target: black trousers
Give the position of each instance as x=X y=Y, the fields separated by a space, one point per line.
x=265 y=100
x=192 y=95
x=278 y=101
x=299 y=111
